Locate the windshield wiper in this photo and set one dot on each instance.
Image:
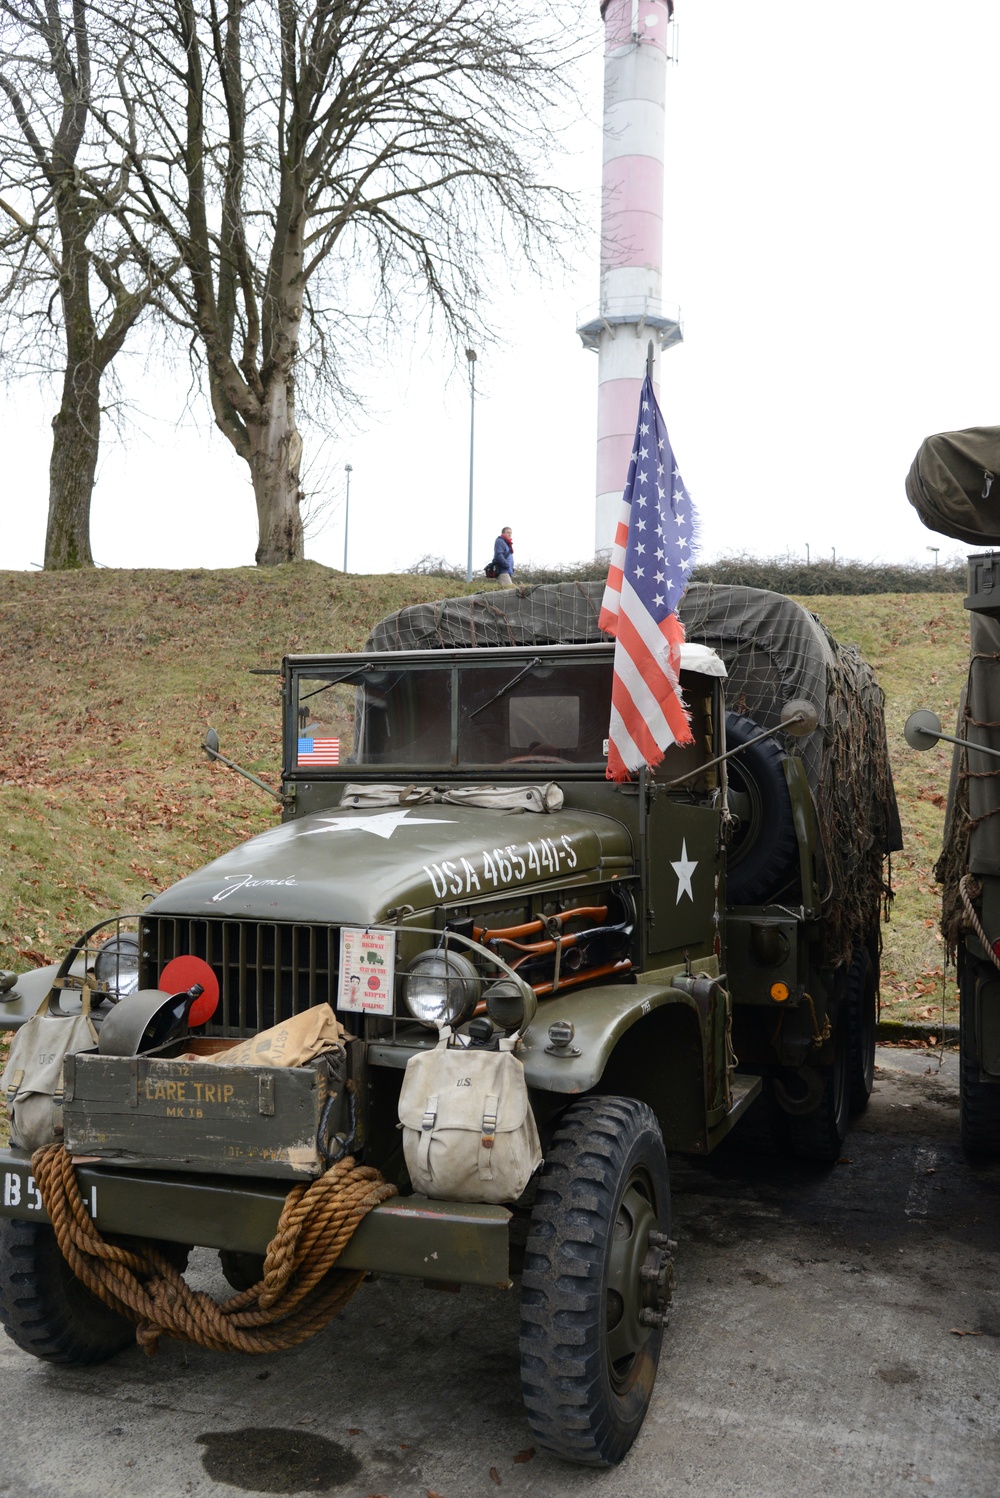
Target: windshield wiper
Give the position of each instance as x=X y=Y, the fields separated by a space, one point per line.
x=355 y=671
x=531 y=666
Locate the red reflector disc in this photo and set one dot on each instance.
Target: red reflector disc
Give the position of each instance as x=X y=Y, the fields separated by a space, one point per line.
x=180 y=974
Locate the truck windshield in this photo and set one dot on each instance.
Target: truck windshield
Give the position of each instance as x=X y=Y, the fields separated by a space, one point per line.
x=452 y=715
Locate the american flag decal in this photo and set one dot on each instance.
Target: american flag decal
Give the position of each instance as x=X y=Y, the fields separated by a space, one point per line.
x=314 y=752
x=650 y=562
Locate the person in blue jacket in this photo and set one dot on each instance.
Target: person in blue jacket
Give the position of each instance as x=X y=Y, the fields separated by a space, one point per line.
x=503 y=558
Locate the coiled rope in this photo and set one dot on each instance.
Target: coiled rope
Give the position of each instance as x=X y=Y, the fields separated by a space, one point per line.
x=301 y=1290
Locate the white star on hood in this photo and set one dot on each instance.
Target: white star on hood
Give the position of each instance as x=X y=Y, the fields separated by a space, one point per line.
x=684 y=869
x=384 y=825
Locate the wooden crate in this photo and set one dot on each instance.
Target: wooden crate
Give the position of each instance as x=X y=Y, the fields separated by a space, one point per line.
x=162 y=1112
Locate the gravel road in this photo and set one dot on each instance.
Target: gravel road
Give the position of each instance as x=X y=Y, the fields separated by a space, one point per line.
x=833 y=1332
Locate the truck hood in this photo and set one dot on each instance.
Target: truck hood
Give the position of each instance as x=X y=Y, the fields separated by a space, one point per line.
x=349 y=866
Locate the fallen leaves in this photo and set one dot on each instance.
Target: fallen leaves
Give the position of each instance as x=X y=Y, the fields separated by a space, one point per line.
x=37 y=959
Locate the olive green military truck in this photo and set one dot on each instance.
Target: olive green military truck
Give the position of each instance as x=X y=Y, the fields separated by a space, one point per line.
x=655 y=955
x=952 y=486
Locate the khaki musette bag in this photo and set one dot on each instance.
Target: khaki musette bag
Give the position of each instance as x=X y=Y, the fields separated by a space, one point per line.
x=32 y=1081
x=469 y=1134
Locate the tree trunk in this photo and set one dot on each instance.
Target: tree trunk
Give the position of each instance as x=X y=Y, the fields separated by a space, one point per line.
x=75 y=443
x=275 y=459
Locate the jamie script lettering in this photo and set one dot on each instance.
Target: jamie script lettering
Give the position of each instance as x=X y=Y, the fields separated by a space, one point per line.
x=234 y=882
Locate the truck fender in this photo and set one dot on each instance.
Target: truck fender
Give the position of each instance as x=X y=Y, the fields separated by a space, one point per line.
x=600 y=1017
x=21 y=1001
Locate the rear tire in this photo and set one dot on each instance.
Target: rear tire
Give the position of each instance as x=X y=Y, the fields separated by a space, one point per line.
x=596 y=1275
x=862 y=1024
x=45 y=1309
x=978 y=1101
x=820 y=1135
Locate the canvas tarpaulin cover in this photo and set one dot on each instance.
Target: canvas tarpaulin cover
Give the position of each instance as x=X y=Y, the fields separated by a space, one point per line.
x=774 y=650
x=954 y=485
x=972 y=825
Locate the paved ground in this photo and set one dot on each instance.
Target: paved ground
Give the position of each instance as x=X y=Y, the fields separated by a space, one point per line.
x=832 y=1333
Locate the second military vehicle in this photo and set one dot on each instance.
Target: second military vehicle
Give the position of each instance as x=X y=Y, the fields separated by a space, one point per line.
x=953 y=485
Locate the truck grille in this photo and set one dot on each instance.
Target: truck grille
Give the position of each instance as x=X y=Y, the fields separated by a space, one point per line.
x=267 y=970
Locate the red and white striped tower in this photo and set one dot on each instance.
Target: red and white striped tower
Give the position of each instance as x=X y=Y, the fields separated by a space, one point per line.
x=631 y=312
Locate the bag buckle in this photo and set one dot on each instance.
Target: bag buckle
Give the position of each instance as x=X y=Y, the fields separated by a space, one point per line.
x=430 y=1113
x=490 y=1114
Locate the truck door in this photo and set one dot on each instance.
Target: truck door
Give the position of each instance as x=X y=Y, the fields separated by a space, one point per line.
x=681 y=855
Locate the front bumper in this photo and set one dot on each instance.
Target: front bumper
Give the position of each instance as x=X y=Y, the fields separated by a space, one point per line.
x=453 y=1242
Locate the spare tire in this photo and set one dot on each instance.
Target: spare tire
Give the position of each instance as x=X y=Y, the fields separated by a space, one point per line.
x=764 y=853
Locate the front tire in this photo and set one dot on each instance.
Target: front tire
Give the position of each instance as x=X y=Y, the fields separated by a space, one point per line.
x=43 y=1306
x=596 y=1281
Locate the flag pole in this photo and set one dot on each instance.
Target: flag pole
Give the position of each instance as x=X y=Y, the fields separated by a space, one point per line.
x=647 y=576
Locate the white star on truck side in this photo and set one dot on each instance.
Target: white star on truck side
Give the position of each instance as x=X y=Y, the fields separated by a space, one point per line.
x=684 y=868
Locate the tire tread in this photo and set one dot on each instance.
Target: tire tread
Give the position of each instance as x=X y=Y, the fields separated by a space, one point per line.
x=45 y=1309
x=561 y=1358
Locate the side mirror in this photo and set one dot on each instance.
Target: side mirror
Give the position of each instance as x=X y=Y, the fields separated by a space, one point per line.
x=922 y=729
x=211 y=748
x=799 y=718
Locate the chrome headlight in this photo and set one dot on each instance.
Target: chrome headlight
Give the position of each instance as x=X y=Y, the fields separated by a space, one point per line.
x=440 y=988
x=116 y=966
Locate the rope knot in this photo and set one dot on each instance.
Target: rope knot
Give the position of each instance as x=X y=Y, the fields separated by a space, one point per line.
x=301 y=1289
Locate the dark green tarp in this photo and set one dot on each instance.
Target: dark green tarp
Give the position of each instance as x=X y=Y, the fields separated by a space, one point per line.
x=954 y=484
x=775 y=651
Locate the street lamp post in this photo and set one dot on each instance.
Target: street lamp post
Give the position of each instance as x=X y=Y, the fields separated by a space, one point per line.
x=347 y=509
x=470 y=354
x=935 y=550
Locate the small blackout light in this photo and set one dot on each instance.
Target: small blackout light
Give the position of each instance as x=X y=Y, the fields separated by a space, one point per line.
x=779 y=992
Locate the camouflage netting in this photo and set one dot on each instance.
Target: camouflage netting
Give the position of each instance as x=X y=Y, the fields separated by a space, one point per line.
x=774 y=651
x=972 y=827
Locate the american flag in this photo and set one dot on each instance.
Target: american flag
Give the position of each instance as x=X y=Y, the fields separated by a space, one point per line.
x=650 y=562
x=318 y=752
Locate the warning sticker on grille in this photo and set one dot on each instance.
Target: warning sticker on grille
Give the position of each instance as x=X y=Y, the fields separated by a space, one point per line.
x=366 y=970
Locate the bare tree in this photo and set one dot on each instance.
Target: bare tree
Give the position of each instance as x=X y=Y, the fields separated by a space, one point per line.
x=322 y=168
x=71 y=286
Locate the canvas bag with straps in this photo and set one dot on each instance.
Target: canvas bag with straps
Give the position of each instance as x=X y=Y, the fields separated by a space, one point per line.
x=32 y=1081
x=469 y=1133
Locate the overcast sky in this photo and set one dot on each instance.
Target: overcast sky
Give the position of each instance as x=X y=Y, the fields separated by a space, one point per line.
x=832 y=244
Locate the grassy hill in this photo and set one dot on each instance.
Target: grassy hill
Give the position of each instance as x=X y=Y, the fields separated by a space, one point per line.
x=110 y=679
